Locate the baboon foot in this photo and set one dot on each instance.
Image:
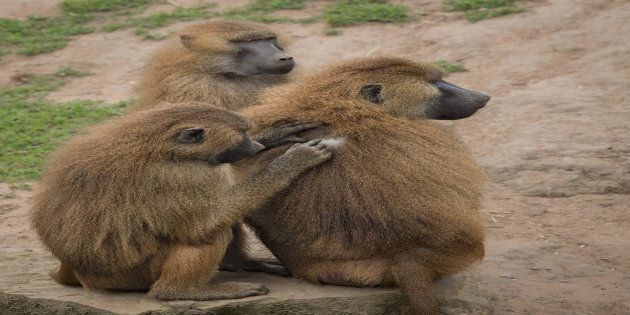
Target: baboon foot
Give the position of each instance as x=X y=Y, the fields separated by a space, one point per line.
x=274 y=268
x=215 y=291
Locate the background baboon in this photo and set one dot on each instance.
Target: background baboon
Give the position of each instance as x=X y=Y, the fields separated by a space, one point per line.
x=399 y=204
x=223 y=63
x=146 y=202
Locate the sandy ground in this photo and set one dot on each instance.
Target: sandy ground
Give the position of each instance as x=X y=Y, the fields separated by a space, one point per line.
x=555 y=138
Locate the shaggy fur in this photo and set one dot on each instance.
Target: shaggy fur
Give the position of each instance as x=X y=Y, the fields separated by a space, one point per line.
x=400 y=202
x=195 y=71
x=127 y=206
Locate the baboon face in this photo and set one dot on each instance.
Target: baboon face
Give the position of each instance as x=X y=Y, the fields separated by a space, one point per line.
x=402 y=87
x=262 y=56
x=215 y=140
x=435 y=99
x=236 y=48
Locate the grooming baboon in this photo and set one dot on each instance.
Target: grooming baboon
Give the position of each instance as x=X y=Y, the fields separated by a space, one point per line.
x=146 y=201
x=223 y=63
x=399 y=203
x=227 y=64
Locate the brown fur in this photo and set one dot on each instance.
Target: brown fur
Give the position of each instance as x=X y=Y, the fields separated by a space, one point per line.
x=196 y=73
x=400 y=202
x=128 y=207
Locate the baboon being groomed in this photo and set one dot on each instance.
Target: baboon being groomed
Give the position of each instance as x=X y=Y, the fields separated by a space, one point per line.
x=146 y=201
x=399 y=204
x=224 y=63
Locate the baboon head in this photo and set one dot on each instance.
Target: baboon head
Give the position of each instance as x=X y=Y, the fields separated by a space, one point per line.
x=236 y=48
x=198 y=133
x=403 y=88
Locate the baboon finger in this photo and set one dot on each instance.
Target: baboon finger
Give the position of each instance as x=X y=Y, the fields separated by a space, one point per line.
x=297 y=127
x=314 y=142
x=321 y=145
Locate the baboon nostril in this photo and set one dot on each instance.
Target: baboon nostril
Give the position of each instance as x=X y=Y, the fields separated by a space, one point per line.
x=286 y=58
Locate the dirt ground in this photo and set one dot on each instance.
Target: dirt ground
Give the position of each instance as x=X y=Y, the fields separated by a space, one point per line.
x=555 y=138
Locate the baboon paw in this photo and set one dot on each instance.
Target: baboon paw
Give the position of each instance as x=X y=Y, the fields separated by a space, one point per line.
x=311 y=153
x=256 y=289
x=274 y=269
x=215 y=291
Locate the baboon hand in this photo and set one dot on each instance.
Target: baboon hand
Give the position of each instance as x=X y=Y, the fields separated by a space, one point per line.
x=309 y=154
x=283 y=133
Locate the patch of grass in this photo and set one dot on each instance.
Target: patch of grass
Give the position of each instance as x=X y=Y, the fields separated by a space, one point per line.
x=476 y=10
x=353 y=12
x=145 y=23
x=96 y=6
x=37 y=35
x=260 y=11
x=274 y=5
x=71 y=72
x=449 y=68
x=332 y=31
x=31 y=127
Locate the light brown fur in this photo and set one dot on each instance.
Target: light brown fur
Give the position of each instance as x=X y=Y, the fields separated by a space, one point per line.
x=129 y=207
x=197 y=73
x=400 y=202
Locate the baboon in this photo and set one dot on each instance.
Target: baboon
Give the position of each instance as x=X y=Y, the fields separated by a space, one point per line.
x=399 y=204
x=224 y=63
x=146 y=201
x=228 y=64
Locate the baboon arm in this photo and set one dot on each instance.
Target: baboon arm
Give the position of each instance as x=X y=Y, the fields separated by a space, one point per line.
x=252 y=192
x=224 y=208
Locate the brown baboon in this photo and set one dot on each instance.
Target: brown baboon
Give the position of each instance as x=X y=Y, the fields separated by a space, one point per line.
x=224 y=63
x=146 y=201
x=399 y=203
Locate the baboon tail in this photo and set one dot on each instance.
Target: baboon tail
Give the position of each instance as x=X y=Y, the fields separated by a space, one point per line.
x=416 y=282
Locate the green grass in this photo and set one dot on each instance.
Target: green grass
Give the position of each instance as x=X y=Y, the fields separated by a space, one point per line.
x=331 y=31
x=476 y=10
x=71 y=72
x=274 y=5
x=144 y=24
x=449 y=68
x=31 y=127
x=260 y=11
x=37 y=35
x=353 y=12
x=97 y=6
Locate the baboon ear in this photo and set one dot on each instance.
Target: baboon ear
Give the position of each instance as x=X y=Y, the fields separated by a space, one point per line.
x=191 y=135
x=186 y=40
x=372 y=92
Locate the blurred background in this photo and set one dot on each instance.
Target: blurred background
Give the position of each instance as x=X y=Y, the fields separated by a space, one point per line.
x=555 y=138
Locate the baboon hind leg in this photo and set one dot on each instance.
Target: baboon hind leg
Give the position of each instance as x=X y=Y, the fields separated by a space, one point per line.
x=237 y=259
x=64 y=275
x=188 y=271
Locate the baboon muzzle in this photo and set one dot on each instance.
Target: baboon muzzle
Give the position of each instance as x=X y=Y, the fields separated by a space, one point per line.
x=244 y=149
x=455 y=102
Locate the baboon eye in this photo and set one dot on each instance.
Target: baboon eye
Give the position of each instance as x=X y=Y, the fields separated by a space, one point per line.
x=372 y=92
x=191 y=135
